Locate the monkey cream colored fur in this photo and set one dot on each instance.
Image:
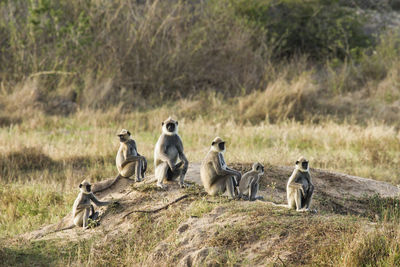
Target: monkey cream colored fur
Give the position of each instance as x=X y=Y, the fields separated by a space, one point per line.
x=83 y=209
x=168 y=149
x=249 y=184
x=300 y=188
x=215 y=175
x=128 y=159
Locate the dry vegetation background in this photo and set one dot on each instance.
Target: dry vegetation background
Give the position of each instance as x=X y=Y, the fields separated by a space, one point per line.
x=276 y=79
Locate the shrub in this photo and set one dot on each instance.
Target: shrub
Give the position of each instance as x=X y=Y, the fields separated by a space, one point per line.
x=319 y=28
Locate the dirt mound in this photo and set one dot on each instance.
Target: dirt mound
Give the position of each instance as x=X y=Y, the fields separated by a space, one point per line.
x=256 y=231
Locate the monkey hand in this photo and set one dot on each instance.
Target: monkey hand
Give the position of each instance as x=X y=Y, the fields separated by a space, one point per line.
x=162 y=186
x=302 y=191
x=184 y=185
x=171 y=166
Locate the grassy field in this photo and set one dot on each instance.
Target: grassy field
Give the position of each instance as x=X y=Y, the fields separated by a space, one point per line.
x=74 y=73
x=44 y=158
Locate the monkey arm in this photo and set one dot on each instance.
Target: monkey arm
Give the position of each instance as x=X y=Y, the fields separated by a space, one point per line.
x=130 y=159
x=98 y=202
x=164 y=157
x=183 y=157
x=82 y=206
x=297 y=186
x=223 y=171
x=238 y=174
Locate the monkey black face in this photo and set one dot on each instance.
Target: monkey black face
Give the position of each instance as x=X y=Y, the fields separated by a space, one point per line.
x=123 y=137
x=221 y=146
x=304 y=165
x=170 y=127
x=260 y=168
x=88 y=187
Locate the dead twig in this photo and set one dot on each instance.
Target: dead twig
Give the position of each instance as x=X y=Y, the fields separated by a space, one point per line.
x=283 y=263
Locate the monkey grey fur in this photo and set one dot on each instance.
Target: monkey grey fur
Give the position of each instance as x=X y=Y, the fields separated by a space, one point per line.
x=128 y=158
x=300 y=188
x=215 y=175
x=249 y=184
x=82 y=209
x=167 y=150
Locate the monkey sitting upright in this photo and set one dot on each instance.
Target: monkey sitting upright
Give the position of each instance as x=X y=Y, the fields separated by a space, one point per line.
x=169 y=148
x=83 y=209
x=128 y=158
x=215 y=175
x=300 y=188
x=249 y=184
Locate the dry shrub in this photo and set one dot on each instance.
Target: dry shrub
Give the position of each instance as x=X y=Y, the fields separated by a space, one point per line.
x=388 y=89
x=29 y=97
x=6 y=121
x=130 y=52
x=26 y=159
x=281 y=100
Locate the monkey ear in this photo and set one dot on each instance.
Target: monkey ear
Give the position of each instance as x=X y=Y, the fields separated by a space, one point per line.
x=176 y=122
x=297 y=162
x=213 y=143
x=80 y=186
x=162 y=124
x=129 y=133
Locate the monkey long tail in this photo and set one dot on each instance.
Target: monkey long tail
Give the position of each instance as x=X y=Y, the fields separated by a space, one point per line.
x=274 y=204
x=55 y=231
x=158 y=209
x=105 y=184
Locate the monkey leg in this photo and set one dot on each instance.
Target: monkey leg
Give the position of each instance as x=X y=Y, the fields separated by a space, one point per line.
x=144 y=166
x=93 y=215
x=308 y=199
x=161 y=173
x=78 y=219
x=230 y=187
x=298 y=200
x=182 y=174
x=291 y=198
x=139 y=169
x=173 y=174
x=219 y=185
x=254 y=187
x=85 y=218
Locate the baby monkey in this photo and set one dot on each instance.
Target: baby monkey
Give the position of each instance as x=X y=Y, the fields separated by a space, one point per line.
x=250 y=182
x=83 y=209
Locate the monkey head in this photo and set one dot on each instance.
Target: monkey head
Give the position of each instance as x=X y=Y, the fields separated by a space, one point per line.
x=170 y=126
x=218 y=145
x=85 y=187
x=258 y=167
x=302 y=164
x=124 y=135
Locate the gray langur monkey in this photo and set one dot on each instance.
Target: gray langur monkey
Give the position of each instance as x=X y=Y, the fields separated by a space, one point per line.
x=166 y=152
x=128 y=159
x=300 y=188
x=215 y=175
x=128 y=162
x=249 y=184
x=82 y=209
